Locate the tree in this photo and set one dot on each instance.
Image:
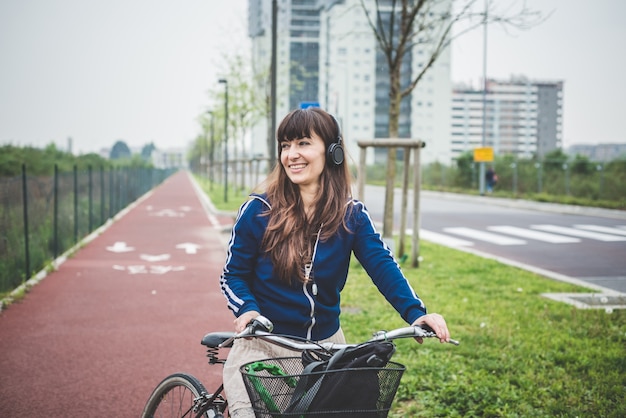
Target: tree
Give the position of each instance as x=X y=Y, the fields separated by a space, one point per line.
x=401 y=25
x=554 y=160
x=120 y=151
x=147 y=150
x=245 y=107
x=582 y=165
x=41 y=161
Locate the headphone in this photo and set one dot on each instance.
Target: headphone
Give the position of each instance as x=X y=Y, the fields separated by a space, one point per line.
x=335 y=149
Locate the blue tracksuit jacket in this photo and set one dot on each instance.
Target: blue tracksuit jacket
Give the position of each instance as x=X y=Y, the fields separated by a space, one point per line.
x=248 y=282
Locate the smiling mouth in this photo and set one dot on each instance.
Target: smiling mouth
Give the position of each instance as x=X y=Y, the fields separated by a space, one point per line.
x=297 y=166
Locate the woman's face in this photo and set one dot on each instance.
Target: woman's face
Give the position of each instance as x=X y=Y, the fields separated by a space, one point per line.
x=304 y=160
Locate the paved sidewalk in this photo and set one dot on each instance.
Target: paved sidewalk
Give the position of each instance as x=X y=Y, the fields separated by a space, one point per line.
x=95 y=336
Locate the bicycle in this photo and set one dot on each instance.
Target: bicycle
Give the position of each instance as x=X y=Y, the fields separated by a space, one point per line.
x=182 y=395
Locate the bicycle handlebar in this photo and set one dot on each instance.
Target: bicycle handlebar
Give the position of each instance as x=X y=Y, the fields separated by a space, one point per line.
x=415 y=331
x=261 y=327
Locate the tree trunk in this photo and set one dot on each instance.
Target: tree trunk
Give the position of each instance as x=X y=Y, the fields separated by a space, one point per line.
x=394 y=116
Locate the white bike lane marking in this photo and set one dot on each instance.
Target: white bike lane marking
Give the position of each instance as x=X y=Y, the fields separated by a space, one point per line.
x=120 y=247
x=159 y=269
x=189 y=247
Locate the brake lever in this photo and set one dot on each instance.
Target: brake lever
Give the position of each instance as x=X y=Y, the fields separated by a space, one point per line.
x=258 y=323
x=262 y=323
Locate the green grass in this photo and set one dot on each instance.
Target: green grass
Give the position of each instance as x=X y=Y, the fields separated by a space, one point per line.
x=521 y=355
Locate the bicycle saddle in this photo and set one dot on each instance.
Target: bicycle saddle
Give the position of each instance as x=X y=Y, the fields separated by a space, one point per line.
x=214 y=339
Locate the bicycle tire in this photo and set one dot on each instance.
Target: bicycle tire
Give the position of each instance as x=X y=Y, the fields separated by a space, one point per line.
x=174 y=398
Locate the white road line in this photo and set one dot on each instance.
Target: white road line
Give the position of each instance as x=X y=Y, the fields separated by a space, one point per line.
x=578 y=233
x=484 y=236
x=442 y=239
x=536 y=235
x=603 y=229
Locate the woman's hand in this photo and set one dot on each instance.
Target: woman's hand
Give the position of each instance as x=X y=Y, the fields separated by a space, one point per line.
x=243 y=321
x=437 y=324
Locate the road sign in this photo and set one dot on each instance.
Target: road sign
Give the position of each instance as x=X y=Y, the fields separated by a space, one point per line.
x=483 y=155
x=304 y=105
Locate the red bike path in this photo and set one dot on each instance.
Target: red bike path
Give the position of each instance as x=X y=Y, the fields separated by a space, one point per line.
x=98 y=334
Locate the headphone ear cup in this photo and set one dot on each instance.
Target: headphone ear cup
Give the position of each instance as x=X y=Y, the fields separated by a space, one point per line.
x=335 y=153
x=335 y=150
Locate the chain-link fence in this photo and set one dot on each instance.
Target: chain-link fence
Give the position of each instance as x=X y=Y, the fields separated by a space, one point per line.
x=42 y=217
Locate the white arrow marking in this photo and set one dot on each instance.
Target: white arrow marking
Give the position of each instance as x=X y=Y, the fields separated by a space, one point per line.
x=152 y=269
x=154 y=258
x=120 y=247
x=168 y=213
x=189 y=247
x=137 y=269
x=165 y=269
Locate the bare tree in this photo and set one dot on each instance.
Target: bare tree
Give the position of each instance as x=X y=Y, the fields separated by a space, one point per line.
x=245 y=107
x=401 y=25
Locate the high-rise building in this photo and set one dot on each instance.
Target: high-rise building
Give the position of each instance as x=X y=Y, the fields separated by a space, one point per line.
x=516 y=116
x=354 y=81
x=327 y=53
x=297 y=62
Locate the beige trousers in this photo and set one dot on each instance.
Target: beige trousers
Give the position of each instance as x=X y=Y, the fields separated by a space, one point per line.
x=245 y=351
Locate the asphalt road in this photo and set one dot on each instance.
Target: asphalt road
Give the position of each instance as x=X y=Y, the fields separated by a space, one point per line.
x=582 y=246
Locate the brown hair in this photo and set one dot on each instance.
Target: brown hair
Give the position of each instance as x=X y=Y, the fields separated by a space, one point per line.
x=290 y=234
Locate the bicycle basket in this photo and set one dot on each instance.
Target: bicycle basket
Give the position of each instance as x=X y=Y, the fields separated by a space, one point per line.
x=347 y=393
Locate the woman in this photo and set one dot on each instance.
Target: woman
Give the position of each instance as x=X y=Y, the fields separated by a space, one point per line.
x=290 y=250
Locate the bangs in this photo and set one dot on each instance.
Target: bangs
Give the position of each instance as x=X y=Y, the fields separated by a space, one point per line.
x=300 y=124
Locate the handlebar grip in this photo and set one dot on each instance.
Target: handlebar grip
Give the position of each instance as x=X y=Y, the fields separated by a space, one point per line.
x=428 y=332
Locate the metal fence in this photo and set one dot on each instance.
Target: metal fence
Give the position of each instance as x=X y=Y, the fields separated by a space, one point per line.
x=522 y=178
x=42 y=217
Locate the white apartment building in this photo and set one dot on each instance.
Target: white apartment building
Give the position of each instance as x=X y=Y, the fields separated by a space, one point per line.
x=516 y=116
x=328 y=54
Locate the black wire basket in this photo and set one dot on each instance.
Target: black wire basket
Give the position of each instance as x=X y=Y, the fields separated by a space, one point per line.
x=278 y=388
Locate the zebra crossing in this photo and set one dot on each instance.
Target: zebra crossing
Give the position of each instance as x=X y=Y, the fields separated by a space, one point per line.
x=507 y=235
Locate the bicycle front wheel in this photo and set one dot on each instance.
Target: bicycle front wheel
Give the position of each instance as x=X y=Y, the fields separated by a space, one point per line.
x=177 y=396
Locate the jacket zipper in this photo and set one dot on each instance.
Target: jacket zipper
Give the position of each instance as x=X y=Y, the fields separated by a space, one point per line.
x=308 y=268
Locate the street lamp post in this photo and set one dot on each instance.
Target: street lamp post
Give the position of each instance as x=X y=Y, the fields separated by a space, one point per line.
x=273 y=66
x=204 y=152
x=225 y=82
x=211 y=160
x=481 y=179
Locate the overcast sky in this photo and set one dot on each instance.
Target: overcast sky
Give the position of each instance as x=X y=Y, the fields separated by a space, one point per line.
x=139 y=70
